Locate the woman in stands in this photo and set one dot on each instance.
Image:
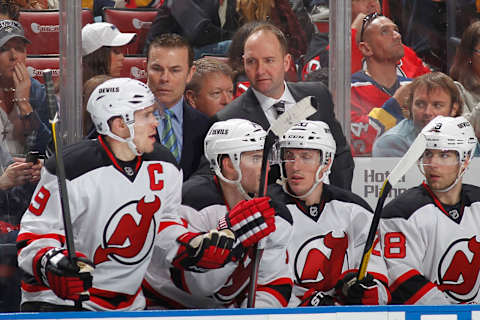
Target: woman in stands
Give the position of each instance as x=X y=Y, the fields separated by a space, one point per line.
x=102 y=52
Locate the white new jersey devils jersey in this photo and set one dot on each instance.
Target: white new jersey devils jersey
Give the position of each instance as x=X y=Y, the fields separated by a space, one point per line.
x=224 y=287
x=115 y=208
x=328 y=240
x=432 y=251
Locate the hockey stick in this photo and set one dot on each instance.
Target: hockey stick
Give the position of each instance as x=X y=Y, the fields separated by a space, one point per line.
x=60 y=172
x=405 y=163
x=297 y=113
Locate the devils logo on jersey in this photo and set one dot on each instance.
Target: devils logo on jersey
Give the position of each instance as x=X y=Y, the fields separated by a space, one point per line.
x=319 y=261
x=459 y=268
x=129 y=234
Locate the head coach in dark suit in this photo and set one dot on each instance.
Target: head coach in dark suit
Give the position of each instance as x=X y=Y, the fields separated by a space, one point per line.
x=266 y=61
x=181 y=128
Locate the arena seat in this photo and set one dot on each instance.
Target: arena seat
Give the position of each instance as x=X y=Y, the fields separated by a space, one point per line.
x=137 y=21
x=42 y=29
x=37 y=63
x=135 y=67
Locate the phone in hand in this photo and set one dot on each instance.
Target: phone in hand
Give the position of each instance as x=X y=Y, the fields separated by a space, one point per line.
x=32 y=156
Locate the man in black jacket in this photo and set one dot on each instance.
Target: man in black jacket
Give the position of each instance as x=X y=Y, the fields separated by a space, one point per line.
x=266 y=61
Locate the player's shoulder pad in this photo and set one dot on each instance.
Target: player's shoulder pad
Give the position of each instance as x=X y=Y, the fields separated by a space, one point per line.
x=80 y=158
x=332 y=192
x=161 y=153
x=404 y=205
x=471 y=194
x=200 y=191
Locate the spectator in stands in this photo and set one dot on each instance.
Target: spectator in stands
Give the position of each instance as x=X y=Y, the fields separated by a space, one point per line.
x=466 y=67
x=409 y=65
x=211 y=87
x=381 y=45
x=433 y=94
x=207 y=25
x=102 y=49
x=23 y=106
x=17 y=183
x=266 y=61
x=33 y=4
x=9 y=10
x=182 y=129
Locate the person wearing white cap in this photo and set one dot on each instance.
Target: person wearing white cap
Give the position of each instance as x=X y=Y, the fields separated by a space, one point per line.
x=101 y=49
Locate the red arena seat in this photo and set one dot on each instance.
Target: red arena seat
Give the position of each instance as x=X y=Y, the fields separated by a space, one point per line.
x=36 y=64
x=42 y=29
x=137 y=21
x=135 y=67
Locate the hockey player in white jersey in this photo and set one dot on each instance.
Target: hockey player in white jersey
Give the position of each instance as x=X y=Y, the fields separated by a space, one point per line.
x=234 y=150
x=120 y=186
x=330 y=225
x=430 y=234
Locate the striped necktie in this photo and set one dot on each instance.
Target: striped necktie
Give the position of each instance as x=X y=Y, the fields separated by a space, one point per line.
x=279 y=107
x=169 y=140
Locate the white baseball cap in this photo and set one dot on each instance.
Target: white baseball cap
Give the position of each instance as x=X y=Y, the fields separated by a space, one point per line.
x=101 y=34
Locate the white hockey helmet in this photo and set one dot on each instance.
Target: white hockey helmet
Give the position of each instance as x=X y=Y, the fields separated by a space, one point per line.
x=119 y=97
x=451 y=133
x=309 y=134
x=232 y=137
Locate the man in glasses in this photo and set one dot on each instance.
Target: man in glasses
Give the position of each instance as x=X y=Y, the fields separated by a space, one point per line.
x=433 y=94
x=429 y=234
x=381 y=45
x=330 y=225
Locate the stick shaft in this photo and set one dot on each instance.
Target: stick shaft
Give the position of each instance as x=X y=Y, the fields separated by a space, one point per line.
x=60 y=168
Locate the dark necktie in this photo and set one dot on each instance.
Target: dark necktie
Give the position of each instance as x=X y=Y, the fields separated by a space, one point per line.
x=279 y=107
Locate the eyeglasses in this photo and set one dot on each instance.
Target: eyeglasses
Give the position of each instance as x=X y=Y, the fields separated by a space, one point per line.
x=366 y=21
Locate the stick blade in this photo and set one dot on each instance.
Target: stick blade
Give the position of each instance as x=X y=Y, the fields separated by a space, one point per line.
x=300 y=111
x=413 y=154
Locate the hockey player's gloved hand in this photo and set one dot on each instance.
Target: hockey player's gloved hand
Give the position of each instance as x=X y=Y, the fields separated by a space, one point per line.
x=199 y=252
x=314 y=298
x=66 y=279
x=349 y=290
x=250 y=220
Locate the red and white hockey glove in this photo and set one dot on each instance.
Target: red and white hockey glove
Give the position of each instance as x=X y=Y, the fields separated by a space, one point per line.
x=314 y=298
x=250 y=220
x=66 y=279
x=349 y=290
x=200 y=252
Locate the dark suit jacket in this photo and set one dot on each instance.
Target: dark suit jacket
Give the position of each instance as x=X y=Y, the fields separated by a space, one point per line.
x=247 y=107
x=195 y=127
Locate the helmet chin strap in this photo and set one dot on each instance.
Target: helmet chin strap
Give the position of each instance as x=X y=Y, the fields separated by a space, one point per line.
x=309 y=192
x=236 y=182
x=129 y=140
x=459 y=176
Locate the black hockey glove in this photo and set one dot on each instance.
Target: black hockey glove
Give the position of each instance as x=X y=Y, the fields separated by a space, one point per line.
x=313 y=298
x=349 y=290
x=250 y=220
x=200 y=252
x=66 y=279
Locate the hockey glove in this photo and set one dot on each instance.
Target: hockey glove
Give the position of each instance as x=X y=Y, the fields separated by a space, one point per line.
x=66 y=279
x=250 y=220
x=349 y=290
x=313 y=298
x=200 y=252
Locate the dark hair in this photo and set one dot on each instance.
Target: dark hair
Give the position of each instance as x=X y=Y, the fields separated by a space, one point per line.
x=235 y=51
x=171 y=40
x=10 y=9
x=206 y=66
x=436 y=80
x=461 y=69
x=96 y=63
